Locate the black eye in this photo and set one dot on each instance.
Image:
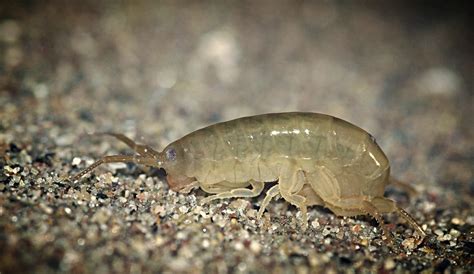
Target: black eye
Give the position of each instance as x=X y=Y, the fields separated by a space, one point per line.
x=171 y=154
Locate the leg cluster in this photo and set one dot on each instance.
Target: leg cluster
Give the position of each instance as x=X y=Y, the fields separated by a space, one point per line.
x=377 y=205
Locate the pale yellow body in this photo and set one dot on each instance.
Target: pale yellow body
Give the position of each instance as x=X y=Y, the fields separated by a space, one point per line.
x=315 y=159
x=339 y=161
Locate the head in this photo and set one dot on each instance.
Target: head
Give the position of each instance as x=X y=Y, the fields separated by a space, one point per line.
x=173 y=160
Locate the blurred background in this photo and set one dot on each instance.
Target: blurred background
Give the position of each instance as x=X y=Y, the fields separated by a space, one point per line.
x=156 y=70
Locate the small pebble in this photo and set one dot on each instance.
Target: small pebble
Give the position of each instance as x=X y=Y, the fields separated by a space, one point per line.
x=389 y=264
x=10 y=170
x=457 y=221
x=205 y=243
x=239 y=204
x=158 y=209
x=315 y=224
x=76 y=161
x=159 y=240
x=115 y=166
x=428 y=207
x=238 y=246
x=46 y=209
x=255 y=247
x=455 y=233
x=183 y=209
x=181 y=235
x=409 y=243
x=251 y=213
x=326 y=231
x=444 y=238
x=356 y=228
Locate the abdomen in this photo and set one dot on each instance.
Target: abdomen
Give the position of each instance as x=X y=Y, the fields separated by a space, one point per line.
x=256 y=147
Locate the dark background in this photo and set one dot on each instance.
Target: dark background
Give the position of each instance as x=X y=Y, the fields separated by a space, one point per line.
x=402 y=70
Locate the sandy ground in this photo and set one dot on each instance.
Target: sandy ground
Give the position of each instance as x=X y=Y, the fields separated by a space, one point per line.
x=158 y=70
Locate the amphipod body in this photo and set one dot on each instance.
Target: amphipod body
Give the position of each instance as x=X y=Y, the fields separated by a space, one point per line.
x=315 y=159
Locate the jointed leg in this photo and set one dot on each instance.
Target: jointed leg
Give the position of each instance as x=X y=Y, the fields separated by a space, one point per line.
x=214 y=189
x=312 y=198
x=222 y=187
x=404 y=186
x=372 y=210
x=290 y=186
x=385 y=205
x=115 y=159
x=413 y=223
x=300 y=202
x=257 y=188
x=272 y=192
